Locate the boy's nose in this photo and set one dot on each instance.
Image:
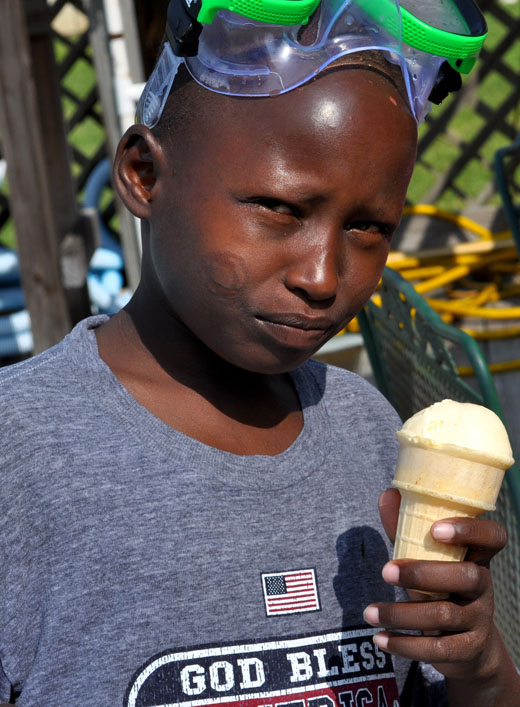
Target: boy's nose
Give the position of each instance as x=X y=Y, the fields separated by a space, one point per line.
x=315 y=273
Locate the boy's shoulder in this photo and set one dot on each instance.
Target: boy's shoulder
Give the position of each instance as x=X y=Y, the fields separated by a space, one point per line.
x=346 y=387
x=355 y=407
x=38 y=383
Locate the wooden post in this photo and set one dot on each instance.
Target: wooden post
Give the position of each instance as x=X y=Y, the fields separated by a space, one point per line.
x=69 y=225
x=30 y=202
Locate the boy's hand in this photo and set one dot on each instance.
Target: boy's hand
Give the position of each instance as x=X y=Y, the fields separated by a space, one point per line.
x=460 y=638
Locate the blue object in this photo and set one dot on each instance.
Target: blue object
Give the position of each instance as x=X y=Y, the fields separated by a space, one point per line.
x=105 y=279
x=98 y=180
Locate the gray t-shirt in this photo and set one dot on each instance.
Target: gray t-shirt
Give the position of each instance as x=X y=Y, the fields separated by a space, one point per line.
x=142 y=568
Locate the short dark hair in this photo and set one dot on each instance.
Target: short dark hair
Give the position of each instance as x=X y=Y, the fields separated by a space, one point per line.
x=186 y=95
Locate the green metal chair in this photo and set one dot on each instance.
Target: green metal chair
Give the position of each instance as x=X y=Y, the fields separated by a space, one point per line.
x=412 y=353
x=505 y=161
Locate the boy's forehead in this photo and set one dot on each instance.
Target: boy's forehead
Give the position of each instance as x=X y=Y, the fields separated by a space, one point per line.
x=350 y=87
x=339 y=96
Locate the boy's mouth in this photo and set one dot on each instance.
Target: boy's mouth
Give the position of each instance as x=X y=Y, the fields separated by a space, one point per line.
x=296 y=330
x=298 y=321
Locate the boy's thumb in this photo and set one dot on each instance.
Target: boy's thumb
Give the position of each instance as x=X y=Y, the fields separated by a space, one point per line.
x=388 y=503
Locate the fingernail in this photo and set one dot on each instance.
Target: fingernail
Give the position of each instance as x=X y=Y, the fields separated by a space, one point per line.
x=381 y=640
x=385 y=499
x=391 y=573
x=443 y=531
x=380 y=500
x=371 y=615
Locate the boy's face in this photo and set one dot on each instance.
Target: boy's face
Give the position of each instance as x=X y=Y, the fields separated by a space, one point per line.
x=270 y=229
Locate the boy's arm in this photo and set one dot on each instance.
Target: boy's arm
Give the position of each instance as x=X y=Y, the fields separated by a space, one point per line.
x=460 y=638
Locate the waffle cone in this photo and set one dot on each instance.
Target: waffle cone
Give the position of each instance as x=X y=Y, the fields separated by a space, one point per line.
x=437 y=483
x=417 y=514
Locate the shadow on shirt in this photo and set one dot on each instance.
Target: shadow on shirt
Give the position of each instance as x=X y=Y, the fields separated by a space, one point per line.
x=362 y=553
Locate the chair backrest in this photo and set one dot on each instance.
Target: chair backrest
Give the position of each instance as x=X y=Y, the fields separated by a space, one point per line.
x=504 y=178
x=412 y=353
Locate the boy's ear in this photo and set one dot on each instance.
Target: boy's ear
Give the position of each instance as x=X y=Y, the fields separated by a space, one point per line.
x=137 y=166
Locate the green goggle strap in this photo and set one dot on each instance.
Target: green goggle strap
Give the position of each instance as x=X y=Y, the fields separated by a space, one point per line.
x=276 y=12
x=460 y=50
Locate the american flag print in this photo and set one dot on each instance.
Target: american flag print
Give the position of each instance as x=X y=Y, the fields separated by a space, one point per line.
x=290 y=592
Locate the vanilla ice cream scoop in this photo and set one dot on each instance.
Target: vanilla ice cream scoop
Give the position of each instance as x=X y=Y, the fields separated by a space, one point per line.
x=473 y=429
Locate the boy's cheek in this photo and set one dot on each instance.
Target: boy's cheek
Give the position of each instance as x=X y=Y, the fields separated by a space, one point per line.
x=225 y=273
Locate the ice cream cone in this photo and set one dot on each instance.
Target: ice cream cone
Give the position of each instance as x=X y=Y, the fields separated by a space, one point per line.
x=451 y=463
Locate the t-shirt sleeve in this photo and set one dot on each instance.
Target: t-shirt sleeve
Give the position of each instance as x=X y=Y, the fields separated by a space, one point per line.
x=424 y=687
x=433 y=687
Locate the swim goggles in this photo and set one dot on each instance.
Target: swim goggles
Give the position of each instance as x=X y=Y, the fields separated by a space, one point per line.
x=267 y=47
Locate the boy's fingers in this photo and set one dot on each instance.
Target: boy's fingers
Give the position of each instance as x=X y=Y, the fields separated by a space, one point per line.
x=421 y=616
x=484 y=538
x=454 y=648
x=463 y=578
x=389 y=502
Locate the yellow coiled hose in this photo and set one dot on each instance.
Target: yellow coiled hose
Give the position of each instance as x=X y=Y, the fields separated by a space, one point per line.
x=450 y=273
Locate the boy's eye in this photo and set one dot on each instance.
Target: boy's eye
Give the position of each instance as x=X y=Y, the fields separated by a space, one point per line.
x=279 y=207
x=372 y=229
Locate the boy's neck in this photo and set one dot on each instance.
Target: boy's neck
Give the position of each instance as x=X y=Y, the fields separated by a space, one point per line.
x=193 y=390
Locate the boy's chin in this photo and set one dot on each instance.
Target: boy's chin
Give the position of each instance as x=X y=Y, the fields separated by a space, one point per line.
x=273 y=364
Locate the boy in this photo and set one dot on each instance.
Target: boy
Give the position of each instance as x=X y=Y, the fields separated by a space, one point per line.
x=189 y=503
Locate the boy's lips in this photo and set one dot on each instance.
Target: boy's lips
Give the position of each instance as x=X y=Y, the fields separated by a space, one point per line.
x=296 y=330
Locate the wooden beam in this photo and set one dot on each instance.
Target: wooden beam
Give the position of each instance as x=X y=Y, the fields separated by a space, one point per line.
x=133 y=44
x=99 y=41
x=30 y=201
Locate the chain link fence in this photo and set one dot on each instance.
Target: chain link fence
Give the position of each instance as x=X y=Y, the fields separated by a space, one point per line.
x=459 y=139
